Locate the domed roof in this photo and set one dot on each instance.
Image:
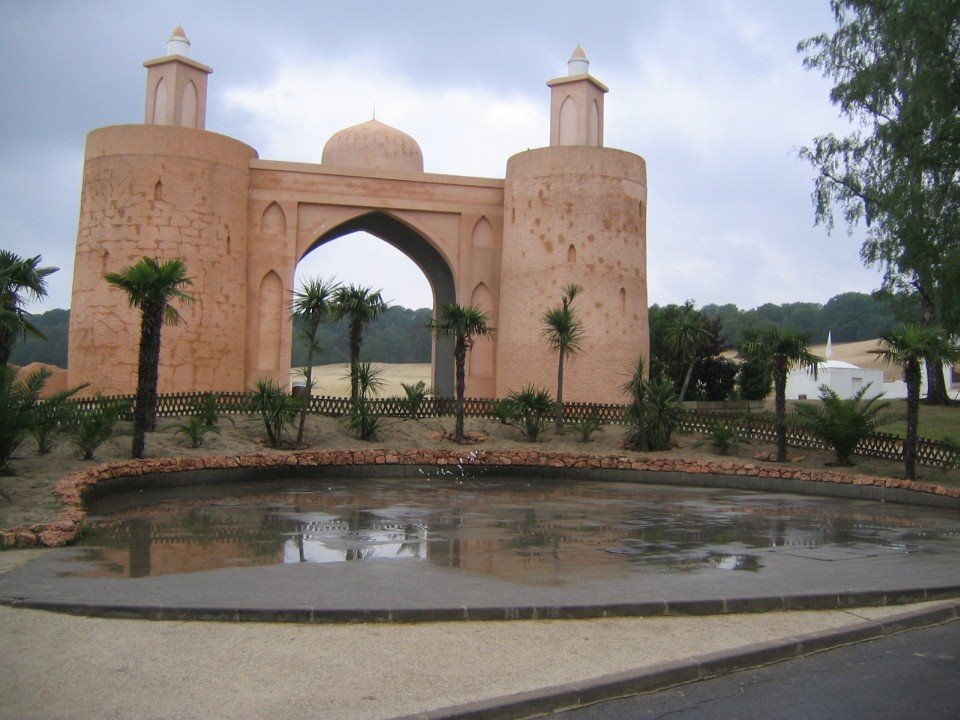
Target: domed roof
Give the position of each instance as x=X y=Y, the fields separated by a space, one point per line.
x=373 y=145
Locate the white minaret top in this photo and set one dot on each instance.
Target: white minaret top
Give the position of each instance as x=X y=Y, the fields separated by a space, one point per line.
x=578 y=63
x=178 y=44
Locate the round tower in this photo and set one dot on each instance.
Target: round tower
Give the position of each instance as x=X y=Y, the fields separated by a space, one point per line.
x=574 y=212
x=168 y=190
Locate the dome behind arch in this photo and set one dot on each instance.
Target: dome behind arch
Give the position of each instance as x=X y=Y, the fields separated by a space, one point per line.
x=373 y=145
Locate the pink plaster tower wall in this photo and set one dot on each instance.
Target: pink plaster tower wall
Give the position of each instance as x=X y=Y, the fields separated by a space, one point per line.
x=574 y=212
x=168 y=191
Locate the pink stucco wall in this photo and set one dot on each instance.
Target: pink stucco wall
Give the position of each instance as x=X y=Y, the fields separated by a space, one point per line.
x=166 y=192
x=574 y=214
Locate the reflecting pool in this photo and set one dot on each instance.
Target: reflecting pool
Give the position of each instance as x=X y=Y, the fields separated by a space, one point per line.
x=537 y=531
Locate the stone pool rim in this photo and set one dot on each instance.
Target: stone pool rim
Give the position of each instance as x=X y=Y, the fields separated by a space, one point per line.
x=73 y=488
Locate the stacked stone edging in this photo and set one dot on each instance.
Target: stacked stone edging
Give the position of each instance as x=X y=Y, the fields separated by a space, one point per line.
x=70 y=488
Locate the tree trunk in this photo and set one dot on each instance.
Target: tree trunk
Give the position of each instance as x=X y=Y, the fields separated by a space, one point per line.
x=6 y=346
x=356 y=332
x=911 y=376
x=7 y=338
x=686 y=379
x=460 y=355
x=308 y=392
x=936 y=385
x=780 y=400
x=559 y=413
x=145 y=409
x=642 y=425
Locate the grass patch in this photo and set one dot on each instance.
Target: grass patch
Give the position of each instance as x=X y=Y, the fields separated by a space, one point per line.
x=936 y=422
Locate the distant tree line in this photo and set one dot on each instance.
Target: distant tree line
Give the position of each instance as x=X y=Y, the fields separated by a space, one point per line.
x=687 y=343
x=402 y=335
x=51 y=348
x=850 y=317
x=399 y=335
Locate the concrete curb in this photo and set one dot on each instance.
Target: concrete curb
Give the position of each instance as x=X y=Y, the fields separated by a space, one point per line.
x=666 y=675
x=321 y=615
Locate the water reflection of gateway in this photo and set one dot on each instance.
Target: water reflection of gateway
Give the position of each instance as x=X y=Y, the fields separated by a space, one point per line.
x=491 y=527
x=336 y=541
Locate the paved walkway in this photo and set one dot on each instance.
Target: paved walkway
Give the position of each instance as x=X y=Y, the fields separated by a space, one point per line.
x=60 y=666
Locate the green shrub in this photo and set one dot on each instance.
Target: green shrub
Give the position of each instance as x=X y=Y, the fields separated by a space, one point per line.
x=195 y=430
x=532 y=408
x=415 y=395
x=369 y=378
x=504 y=411
x=723 y=438
x=843 y=423
x=754 y=379
x=89 y=428
x=207 y=408
x=362 y=420
x=277 y=409
x=586 y=427
x=51 y=418
x=17 y=403
x=663 y=414
x=654 y=413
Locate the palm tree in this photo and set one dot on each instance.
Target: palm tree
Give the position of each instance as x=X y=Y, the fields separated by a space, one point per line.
x=18 y=401
x=150 y=286
x=782 y=350
x=360 y=306
x=843 y=423
x=311 y=305
x=684 y=337
x=19 y=277
x=461 y=323
x=564 y=332
x=909 y=346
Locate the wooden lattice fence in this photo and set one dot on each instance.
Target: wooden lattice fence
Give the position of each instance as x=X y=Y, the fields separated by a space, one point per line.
x=747 y=427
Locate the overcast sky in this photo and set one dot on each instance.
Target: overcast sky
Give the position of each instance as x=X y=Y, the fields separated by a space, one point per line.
x=712 y=93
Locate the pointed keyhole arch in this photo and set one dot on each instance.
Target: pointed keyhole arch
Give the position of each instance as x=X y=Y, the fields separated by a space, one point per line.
x=426 y=257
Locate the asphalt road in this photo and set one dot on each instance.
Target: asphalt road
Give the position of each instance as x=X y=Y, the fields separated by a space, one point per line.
x=913 y=675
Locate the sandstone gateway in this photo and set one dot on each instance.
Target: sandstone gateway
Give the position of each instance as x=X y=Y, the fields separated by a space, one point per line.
x=571 y=212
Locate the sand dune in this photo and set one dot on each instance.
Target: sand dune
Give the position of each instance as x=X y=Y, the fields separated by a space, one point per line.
x=335 y=379
x=859 y=354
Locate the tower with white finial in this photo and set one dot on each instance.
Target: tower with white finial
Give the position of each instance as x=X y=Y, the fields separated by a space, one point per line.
x=574 y=212
x=177 y=86
x=576 y=105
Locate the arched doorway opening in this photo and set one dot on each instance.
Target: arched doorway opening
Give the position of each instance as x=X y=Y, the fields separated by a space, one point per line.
x=424 y=256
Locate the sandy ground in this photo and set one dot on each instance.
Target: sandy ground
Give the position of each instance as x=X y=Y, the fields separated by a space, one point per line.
x=857 y=353
x=334 y=380
x=58 y=666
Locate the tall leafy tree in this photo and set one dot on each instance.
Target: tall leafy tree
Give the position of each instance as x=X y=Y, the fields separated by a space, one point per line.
x=462 y=323
x=896 y=69
x=151 y=285
x=781 y=350
x=359 y=306
x=909 y=345
x=685 y=335
x=563 y=331
x=311 y=305
x=20 y=279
